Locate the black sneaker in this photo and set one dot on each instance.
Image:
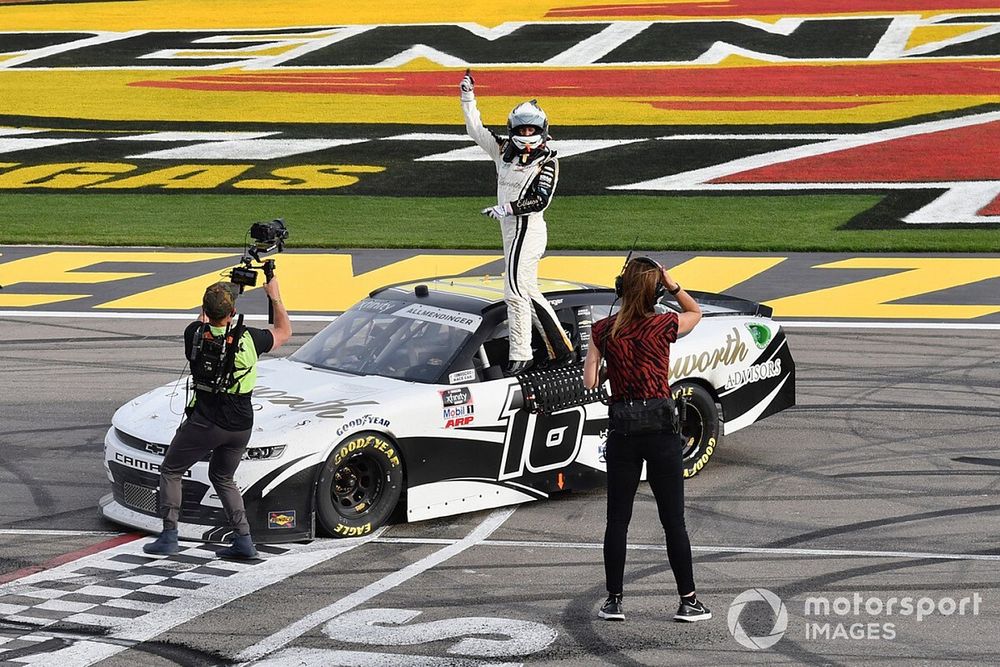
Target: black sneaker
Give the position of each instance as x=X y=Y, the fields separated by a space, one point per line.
x=692 y=611
x=612 y=610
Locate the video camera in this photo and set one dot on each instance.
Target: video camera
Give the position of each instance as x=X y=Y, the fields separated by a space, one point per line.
x=267 y=237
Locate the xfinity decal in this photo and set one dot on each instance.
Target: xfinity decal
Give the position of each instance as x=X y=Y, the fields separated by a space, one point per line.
x=457 y=396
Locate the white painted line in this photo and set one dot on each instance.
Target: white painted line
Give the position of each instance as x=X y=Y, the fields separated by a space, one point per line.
x=124 y=632
x=776 y=551
x=359 y=597
x=955 y=326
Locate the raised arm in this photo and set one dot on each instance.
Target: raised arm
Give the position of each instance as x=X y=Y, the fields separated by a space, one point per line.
x=281 y=331
x=690 y=310
x=486 y=139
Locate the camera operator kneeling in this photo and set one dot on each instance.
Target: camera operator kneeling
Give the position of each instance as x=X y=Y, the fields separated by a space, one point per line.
x=643 y=424
x=219 y=418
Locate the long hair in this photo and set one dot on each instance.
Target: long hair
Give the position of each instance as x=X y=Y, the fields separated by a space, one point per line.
x=639 y=281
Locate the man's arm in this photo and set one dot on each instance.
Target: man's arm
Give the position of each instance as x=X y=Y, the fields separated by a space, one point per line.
x=488 y=141
x=540 y=193
x=591 y=367
x=281 y=330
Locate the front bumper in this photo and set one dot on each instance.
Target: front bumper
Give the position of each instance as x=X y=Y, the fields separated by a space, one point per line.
x=276 y=513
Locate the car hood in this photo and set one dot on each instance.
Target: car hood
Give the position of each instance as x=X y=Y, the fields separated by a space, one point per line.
x=288 y=395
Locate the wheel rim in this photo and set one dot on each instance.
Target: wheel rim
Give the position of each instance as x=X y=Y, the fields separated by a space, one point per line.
x=692 y=432
x=358 y=485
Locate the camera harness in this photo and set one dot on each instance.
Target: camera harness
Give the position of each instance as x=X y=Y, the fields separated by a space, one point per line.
x=213 y=358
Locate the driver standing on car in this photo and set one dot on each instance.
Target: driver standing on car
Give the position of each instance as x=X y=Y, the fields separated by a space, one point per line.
x=527 y=172
x=219 y=423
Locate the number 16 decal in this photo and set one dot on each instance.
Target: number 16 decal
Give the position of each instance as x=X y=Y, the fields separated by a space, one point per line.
x=538 y=442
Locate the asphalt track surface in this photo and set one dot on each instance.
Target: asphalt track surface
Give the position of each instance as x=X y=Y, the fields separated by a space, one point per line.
x=881 y=482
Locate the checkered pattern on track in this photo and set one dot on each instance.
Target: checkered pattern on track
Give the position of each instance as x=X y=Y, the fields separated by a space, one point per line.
x=104 y=592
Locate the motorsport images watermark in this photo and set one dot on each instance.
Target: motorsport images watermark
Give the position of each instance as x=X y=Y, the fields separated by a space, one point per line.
x=852 y=618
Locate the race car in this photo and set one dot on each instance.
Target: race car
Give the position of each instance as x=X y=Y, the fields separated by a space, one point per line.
x=399 y=409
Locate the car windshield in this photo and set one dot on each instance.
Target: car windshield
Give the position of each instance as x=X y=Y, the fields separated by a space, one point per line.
x=396 y=339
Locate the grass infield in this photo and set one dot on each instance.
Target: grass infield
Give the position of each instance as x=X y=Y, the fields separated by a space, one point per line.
x=757 y=223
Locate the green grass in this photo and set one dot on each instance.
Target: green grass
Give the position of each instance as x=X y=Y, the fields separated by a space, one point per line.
x=754 y=223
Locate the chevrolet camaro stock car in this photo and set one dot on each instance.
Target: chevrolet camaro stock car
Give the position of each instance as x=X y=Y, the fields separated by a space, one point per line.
x=399 y=408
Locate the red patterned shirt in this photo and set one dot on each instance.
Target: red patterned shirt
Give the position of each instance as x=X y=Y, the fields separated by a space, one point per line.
x=639 y=356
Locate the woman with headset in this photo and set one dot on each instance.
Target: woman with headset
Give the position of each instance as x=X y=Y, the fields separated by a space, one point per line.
x=642 y=427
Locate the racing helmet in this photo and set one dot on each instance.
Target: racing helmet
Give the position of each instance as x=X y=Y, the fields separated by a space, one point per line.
x=528 y=113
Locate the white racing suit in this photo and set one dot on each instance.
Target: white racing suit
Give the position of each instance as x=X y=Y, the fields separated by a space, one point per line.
x=526 y=182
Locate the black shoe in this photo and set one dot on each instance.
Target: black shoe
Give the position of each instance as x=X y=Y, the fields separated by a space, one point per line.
x=242 y=548
x=164 y=545
x=516 y=367
x=692 y=611
x=612 y=610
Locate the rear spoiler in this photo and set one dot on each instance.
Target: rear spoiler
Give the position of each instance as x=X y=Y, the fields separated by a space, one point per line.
x=737 y=305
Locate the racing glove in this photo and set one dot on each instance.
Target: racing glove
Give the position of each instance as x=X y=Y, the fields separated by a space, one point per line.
x=467 y=87
x=498 y=212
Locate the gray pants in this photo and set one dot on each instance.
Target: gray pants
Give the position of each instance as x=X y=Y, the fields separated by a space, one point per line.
x=196 y=437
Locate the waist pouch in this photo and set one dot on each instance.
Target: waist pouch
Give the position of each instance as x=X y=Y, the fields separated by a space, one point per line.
x=650 y=415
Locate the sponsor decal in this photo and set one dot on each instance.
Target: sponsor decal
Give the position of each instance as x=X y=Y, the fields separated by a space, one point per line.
x=282 y=519
x=725 y=355
x=761 y=333
x=768 y=369
x=457 y=396
x=468 y=375
x=363 y=422
x=458 y=407
x=452 y=318
x=375 y=305
x=322 y=409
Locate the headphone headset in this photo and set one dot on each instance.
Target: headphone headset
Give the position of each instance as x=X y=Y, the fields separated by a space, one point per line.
x=661 y=289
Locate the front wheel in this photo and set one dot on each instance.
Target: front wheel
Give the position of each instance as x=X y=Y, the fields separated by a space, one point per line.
x=700 y=430
x=359 y=485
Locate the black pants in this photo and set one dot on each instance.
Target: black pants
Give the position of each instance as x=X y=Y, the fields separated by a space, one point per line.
x=665 y=474
x=196 y=437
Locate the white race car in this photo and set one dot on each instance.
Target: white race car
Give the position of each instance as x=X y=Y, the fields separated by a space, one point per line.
x=399 y=409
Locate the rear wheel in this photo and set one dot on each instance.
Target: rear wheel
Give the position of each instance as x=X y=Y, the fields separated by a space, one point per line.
x=700 y=430
x=359 y=486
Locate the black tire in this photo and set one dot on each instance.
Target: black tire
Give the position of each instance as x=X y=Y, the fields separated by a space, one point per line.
x=700 y=430
x=359 y=485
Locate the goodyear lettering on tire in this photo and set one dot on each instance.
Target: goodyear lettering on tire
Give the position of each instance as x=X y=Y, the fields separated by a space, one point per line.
x=702 y=460
x=363 y=443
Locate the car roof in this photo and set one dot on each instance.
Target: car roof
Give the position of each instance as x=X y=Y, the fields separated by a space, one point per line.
x=474 y=294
